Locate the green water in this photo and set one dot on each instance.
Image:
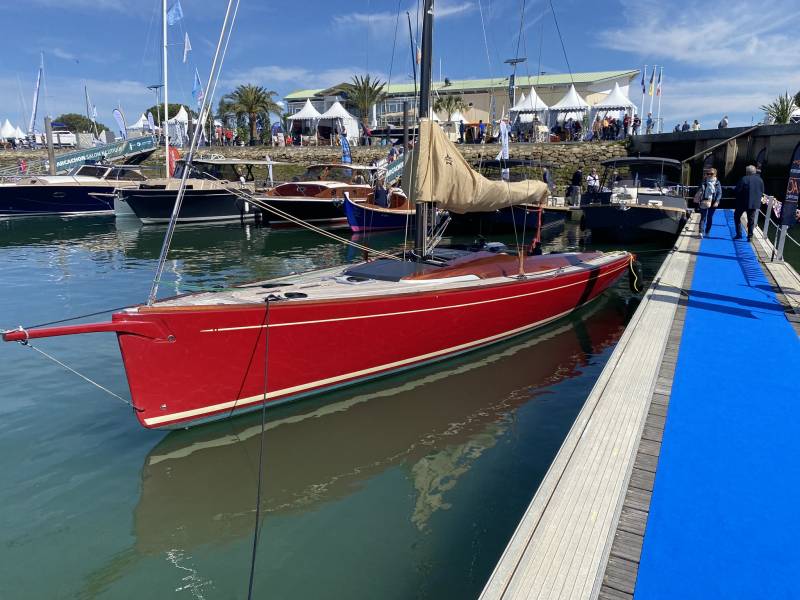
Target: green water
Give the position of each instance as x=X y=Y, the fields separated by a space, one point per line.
x=408 y=487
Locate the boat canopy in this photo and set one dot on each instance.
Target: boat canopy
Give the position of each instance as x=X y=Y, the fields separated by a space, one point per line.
x=615 y=100
x=530 y=104
x=439 y=173
x=307 y=113
x=626 y=161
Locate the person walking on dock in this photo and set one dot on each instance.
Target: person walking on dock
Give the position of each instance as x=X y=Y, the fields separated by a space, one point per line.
x=749 y=191
x=707 y=197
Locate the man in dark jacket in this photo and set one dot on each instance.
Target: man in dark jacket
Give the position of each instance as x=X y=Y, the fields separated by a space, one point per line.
x=749 y=191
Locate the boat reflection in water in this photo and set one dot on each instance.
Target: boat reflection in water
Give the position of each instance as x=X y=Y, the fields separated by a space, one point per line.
x=198 y=486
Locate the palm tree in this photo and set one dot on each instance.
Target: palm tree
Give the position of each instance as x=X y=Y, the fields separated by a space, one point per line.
x=449 y=104
x=363 y=92
x=252 y=101
x=780 y=109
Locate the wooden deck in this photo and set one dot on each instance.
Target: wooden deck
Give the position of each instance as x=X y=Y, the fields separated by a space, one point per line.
x=568 y=535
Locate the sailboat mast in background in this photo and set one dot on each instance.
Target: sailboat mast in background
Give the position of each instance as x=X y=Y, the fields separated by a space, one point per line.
x=35 y=106
x=165 y=122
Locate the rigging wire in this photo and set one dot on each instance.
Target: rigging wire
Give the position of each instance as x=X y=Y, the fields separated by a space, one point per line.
x=561 y=39
x=256 y=527
x=216 y=68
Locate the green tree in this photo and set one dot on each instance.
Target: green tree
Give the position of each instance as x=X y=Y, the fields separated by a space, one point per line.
x=254 y=102
x=449 y=104
x=78 y=123
x=363 y=92
x=158 y=111
x=780 y=109
x=797 y=99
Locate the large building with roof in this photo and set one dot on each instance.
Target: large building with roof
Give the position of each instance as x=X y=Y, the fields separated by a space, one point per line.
x=485 y=98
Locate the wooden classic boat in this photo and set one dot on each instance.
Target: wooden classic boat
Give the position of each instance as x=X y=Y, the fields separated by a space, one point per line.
x=318 y=196
x=639 y=199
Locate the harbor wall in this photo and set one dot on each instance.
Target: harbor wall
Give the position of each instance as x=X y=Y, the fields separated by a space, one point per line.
x=568 y=156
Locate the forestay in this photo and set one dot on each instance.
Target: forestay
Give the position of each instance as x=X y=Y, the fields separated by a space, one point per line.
x=438 y=173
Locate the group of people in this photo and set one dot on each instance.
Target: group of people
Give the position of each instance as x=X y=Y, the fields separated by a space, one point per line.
x=695 y=126
x=749 y=192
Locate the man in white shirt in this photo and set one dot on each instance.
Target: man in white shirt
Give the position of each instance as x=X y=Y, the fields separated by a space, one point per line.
x=593 y=181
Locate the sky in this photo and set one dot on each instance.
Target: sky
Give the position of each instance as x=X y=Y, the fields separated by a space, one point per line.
x=719 y=56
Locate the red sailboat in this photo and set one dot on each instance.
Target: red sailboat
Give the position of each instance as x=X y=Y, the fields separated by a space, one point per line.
x=207 y=356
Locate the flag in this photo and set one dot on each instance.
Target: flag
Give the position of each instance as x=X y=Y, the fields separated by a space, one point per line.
x=644 y=74
x=187 y=47
x=151 y=123
x=175 y=13
x=197 y=89
x=120 y=119
x=652 y=81
x=660 y=77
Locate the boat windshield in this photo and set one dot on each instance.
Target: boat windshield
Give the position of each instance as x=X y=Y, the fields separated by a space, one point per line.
x=126 y=174
x=336 y=173
x=97 y=171
x=645 y=175
x=215 y=171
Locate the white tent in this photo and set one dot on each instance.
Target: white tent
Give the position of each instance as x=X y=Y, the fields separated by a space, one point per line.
x=615 y=100
x=7 y=131
x=140 y=125
x=571 y=105
x=531 y=104
x=182 y=116
x=19 y=134
x=307 y=113
x=179 y=128
x=337 y=115
x=457 y=117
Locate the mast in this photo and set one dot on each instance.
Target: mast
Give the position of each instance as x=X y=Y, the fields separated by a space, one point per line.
x=424 y=208
x=35 y=106
x=165 y=123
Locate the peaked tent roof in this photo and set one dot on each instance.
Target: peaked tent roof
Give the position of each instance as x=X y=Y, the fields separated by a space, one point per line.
x=181 y=117
x=571 y=101
x=7 y=130
x=336 y=111
x=615 y=99
x=140 y=124
x=19 y=133
x=530 y=104
x=457 y=117
x=434 y=116
x=308 y=112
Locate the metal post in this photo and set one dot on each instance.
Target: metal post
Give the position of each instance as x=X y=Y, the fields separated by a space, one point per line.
x=780 y=241
x=51 y=153
x=166 y=88
x=766 y=220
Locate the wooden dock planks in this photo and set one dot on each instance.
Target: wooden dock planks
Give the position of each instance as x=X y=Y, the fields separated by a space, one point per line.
x=569 y=531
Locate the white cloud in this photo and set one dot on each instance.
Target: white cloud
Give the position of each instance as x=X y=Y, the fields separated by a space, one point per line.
x=741 y=55
x=386 y=20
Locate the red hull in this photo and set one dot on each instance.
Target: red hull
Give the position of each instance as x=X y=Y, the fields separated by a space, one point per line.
x=215 y=366
x=192 y=364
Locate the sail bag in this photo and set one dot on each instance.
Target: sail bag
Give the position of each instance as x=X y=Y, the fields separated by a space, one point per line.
x=439 y=173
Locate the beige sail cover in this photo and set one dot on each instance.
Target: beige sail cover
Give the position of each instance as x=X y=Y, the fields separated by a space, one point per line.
x=438 y=173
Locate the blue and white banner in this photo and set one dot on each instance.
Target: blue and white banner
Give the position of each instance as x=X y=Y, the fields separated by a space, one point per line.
x=120 y=119
x=175 y=13
x=346 y=156
x=197 y=89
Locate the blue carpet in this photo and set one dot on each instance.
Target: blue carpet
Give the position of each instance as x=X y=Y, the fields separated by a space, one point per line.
x=725 y=513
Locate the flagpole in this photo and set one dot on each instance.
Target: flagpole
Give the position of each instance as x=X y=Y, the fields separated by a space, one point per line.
x=165 y=123
x=644 y=78
x=660 y=91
